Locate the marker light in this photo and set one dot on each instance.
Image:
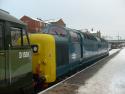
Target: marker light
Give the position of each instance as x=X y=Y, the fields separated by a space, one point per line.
x=35 y=48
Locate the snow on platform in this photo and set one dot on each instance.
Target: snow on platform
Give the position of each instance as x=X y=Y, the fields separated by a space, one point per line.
x=113 y=51
x=105 y=77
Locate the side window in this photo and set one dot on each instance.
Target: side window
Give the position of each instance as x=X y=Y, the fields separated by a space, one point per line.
x=18 y=37
x=1 y=37
x=55 y=30
x=85 y=36
x=74 y=37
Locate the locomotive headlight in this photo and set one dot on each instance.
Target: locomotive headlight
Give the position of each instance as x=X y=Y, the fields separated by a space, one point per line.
x=35 y=48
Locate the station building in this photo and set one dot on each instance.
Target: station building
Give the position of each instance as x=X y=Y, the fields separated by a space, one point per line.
x=36 y=25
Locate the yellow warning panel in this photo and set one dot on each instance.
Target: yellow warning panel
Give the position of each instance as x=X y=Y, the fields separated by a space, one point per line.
x=44 y=58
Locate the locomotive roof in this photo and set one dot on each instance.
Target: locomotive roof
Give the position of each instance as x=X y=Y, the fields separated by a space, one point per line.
x=6 y=16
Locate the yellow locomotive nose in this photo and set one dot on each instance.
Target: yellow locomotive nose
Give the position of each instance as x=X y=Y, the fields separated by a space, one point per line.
x=44 y=58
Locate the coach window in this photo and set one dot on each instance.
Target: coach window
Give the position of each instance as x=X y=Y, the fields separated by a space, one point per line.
x=55 y=30
x=1 y=37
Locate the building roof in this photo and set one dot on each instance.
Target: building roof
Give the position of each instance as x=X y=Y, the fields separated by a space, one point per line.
x=56 y=21
x=53 y=21
x=29 y=18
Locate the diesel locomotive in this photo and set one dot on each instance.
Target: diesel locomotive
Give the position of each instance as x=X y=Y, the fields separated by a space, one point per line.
x=15 y=55
x=61 y=50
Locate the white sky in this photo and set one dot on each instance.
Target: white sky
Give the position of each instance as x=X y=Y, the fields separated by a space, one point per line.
x=108 y=16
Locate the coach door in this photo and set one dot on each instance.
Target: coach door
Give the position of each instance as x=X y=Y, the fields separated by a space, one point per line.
x=2 y=54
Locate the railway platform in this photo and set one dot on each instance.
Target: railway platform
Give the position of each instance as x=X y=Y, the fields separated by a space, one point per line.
x=107 y=76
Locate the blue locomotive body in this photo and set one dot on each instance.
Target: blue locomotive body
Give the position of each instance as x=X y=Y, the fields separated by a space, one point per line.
x=75 y=48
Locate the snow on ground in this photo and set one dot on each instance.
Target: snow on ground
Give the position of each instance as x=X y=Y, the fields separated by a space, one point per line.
x=110 y=79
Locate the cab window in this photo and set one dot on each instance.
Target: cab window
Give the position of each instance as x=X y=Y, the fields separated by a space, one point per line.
x=17 y=38
x=55 y=30
x=25 y=38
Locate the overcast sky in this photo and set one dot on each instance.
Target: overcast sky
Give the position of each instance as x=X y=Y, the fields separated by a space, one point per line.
x=108 y=16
